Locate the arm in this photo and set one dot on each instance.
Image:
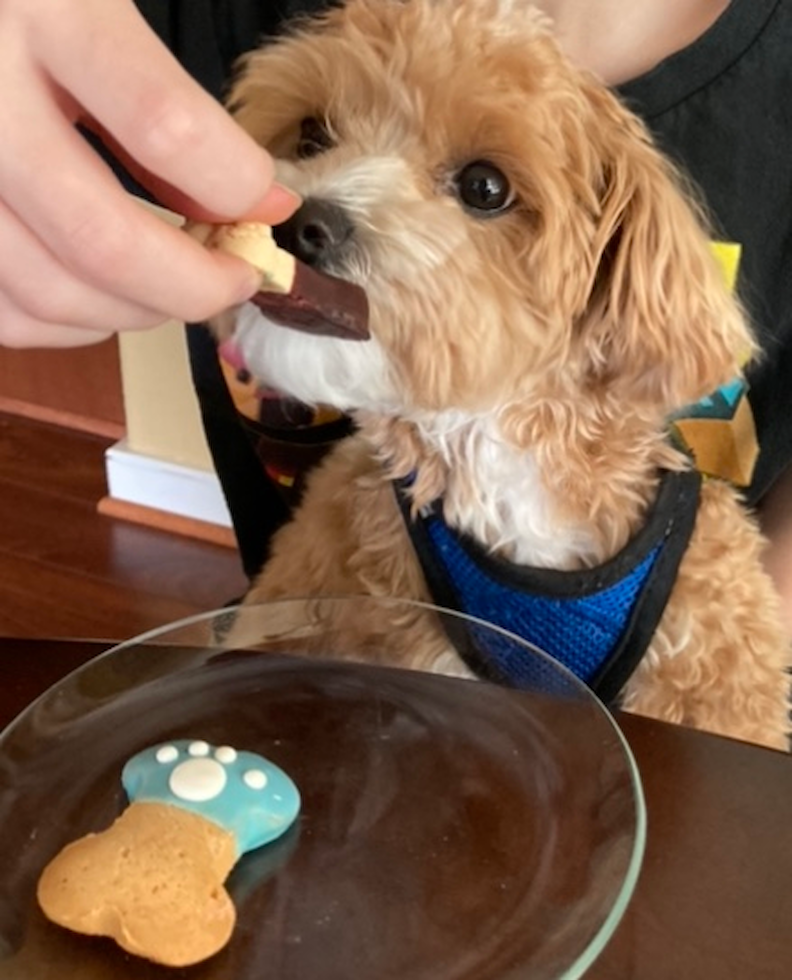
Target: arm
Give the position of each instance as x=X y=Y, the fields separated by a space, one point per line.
x=775 y=518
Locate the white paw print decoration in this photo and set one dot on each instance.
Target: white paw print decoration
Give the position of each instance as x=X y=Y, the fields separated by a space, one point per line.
x=242 y=792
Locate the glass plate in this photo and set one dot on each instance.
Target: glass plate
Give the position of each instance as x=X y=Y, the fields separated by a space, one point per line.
x=450 y=829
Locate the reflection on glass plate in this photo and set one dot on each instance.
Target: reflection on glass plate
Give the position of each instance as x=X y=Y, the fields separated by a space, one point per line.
x=450 y=830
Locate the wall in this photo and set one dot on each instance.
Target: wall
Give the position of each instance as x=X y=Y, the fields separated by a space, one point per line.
x=162 y=414
x=163 y=465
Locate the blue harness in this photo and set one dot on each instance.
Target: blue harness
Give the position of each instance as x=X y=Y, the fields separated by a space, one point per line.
x=597 y=622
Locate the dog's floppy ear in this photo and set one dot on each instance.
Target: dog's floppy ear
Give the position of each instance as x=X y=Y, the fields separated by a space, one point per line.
x=659 y=318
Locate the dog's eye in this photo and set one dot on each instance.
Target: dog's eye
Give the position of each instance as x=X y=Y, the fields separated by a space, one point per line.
x=314 y=138
x=483 y=188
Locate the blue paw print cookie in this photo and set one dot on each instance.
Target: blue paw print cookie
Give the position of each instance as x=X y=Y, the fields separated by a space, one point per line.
x=154 y=881
x=244 y=793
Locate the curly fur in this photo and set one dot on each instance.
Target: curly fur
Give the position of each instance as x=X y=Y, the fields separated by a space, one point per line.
x=522 y=365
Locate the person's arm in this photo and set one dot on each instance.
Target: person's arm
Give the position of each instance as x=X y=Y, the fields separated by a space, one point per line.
x=78 y=256
x=620 y=40
x=775 y=518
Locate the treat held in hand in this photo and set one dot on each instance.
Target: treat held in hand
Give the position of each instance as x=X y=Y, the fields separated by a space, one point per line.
x=292 y=293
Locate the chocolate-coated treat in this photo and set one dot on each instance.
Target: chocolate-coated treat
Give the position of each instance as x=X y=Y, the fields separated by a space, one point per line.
x=318 y=303
x=292 y=293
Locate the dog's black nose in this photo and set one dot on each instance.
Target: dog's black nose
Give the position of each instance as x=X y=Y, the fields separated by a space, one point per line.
x=316 y=232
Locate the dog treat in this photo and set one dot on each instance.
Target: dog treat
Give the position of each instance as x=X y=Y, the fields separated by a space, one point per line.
x=154 y=880
x=292 y=293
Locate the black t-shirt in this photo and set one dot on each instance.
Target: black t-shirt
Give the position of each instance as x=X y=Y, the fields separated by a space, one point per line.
x=722 y=108
x=207 y=36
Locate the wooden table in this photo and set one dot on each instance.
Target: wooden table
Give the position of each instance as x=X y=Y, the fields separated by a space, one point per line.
x=714 y=900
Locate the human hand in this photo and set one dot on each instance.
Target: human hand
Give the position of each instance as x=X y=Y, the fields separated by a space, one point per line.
x=79 y=257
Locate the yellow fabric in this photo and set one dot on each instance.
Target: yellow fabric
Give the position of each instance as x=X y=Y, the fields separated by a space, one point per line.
x=728 y=256
x=722 y=440
x=726 y=448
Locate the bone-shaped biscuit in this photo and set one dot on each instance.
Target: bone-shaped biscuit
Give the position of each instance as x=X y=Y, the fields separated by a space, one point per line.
x=154 y=880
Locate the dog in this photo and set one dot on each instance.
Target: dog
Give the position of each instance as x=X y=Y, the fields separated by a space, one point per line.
x=543 y=298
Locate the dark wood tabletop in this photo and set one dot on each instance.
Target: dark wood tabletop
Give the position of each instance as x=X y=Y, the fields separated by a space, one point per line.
x=714 y=899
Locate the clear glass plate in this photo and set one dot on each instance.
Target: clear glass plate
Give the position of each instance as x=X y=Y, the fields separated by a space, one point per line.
x=450 y=829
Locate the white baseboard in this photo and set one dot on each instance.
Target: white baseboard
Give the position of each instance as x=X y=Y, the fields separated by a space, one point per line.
x=165 y=486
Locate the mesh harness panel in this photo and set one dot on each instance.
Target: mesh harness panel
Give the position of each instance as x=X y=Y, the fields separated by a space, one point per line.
x=598 y=622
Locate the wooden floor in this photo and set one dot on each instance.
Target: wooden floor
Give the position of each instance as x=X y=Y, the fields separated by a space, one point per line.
x=66 y=570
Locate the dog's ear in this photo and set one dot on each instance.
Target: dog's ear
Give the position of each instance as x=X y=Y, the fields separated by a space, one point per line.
x=658 y=317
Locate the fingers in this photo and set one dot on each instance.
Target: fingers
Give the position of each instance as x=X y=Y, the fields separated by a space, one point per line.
x=100 y=234
x=19 y=330
x=137 y=91
x=75 y=249
x=278 y=204
x=37 y=289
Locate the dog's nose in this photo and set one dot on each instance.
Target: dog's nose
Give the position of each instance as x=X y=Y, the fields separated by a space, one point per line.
x=316 y=232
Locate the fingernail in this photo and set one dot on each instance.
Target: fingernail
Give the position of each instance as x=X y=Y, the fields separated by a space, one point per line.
x=288 y=194
x=279 y=204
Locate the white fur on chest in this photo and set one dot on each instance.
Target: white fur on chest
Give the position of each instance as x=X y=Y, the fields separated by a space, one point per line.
x=496 y=495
